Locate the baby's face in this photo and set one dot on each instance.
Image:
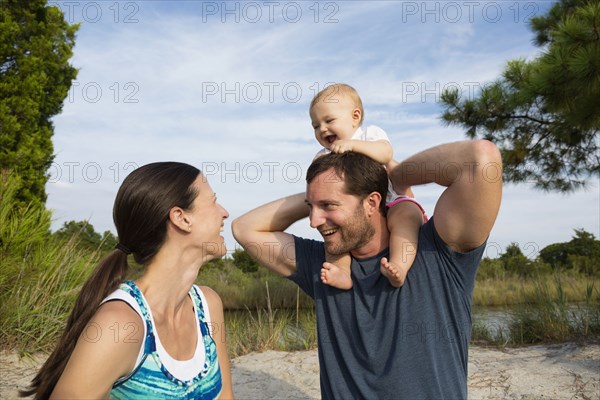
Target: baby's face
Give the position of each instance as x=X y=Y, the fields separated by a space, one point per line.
x=334 y=118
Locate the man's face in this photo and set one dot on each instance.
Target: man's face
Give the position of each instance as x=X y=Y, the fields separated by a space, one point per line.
x=338 y=216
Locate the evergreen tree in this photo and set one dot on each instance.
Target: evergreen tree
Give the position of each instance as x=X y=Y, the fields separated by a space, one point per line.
x=515 y=261
x=35 y=76
x=544 y=114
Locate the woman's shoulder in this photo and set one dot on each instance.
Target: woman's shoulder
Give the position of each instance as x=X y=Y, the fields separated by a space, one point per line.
x=120 y=320
x=108 y=345
x=211 y=296
x=117 y=310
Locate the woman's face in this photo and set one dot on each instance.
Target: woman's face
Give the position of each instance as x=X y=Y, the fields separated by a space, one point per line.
x=207 y=220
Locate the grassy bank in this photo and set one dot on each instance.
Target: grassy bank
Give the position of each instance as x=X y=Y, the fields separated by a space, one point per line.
x=268 y=312
x=512 y=289
x=251 y=290
x=39 y=277
x=546 y=313
x=260 y=330
x=37 y=291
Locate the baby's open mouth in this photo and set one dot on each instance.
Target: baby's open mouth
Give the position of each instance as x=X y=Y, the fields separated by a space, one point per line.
x=331 y=138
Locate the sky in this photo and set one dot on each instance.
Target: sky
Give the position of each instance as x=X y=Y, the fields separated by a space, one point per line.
x=225 y=86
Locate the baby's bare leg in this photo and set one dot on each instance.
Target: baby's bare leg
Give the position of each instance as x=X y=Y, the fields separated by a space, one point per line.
x=403 y=221
x=336 y=271
x=400 y=190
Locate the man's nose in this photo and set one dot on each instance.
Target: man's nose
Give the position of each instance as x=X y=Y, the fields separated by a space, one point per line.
x=316 y=218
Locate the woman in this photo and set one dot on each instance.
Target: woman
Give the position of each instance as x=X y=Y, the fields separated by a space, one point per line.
x=149 y=338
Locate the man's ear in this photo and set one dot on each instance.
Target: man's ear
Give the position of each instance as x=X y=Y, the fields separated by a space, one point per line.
x=180 y=219
x=372 y=202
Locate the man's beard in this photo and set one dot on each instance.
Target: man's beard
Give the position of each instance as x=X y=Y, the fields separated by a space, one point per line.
x=354 y=234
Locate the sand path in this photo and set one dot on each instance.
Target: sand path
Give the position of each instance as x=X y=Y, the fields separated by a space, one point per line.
x=557 y=372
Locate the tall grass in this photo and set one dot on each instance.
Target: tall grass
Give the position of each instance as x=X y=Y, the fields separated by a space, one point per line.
x=39 y=277
x=37 y=304
x=547 y=317
x=264 y=311
x=512 y=289
x=259 y=330
x=553 y=318
x=240 y=290
x=21 y=227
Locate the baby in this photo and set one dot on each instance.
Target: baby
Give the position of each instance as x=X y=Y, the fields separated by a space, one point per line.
x=337 y=114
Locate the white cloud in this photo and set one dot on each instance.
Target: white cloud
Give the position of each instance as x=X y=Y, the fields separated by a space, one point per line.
x=181 y=85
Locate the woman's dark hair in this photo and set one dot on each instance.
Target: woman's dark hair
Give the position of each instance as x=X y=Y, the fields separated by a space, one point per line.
x=140 y=213
x=362 y=175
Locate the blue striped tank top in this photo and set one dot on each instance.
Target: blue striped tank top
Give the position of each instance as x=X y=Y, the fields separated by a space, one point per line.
x=151 y=379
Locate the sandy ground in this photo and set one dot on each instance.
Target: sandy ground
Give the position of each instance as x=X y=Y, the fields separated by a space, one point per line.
x=565 y=371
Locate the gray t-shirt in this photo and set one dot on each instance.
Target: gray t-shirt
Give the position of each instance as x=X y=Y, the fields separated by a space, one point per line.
x=380 y=342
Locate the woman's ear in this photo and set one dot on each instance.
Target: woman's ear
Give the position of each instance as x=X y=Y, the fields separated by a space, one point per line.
x=179 y=218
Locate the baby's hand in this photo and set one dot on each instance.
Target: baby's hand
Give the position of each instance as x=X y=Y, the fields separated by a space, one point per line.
x=341 y=146
x=403 y=191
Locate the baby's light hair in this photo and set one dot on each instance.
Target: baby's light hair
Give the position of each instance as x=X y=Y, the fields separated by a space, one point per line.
x=343 y=89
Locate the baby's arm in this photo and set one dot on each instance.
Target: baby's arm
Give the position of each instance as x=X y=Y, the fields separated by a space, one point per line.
x=379 y=150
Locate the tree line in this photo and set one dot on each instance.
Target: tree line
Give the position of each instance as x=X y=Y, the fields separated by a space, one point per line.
x=581 y=254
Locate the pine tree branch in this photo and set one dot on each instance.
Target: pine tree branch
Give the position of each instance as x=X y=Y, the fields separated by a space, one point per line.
x=539 y=121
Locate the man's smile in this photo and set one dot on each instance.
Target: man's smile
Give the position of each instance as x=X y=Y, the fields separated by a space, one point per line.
x=328 y=232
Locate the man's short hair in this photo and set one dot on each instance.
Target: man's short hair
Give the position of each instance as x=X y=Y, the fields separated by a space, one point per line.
x=361 y=174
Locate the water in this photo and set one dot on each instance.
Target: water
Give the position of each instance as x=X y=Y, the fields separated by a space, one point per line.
x=497 y=320
x=488 y=322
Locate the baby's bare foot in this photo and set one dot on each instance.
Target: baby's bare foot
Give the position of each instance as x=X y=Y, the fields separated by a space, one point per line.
x=392 y=272
x=333 y=275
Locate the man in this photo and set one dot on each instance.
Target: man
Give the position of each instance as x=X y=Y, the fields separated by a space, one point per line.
x=376 y=341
